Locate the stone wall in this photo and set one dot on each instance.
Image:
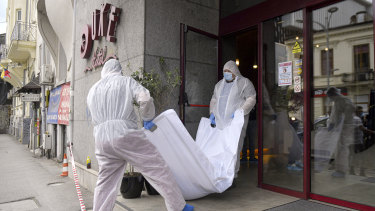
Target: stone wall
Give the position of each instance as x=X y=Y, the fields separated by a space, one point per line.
x=162 y=40
x=129 y=48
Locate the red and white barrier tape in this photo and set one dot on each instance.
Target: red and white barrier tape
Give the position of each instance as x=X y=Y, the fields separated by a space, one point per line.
x=75 y=177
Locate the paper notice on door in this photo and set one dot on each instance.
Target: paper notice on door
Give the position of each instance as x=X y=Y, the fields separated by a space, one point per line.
x=285 y=74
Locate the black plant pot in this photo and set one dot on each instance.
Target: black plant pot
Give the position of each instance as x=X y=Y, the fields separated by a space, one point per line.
x=132 y=185
x=150 y=190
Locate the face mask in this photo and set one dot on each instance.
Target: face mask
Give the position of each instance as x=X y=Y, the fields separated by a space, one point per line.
x=228 y=76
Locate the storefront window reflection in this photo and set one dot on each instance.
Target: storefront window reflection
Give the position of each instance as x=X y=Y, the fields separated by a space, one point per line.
x=283 y=101
x=343 y=113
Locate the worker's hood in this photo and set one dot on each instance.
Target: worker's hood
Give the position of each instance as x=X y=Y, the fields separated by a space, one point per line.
x=231 y=65
x=111 y=67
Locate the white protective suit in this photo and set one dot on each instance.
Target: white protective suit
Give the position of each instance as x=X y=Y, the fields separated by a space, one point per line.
x=242 y=95
x=118 y=141
x=343 y=110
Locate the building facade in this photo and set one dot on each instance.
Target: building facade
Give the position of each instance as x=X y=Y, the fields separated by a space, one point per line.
x=292 y=51
x=19 y=58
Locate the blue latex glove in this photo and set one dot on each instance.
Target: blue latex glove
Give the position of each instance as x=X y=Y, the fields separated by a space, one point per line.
x=232 y=116
x=148 y=124
x=212 y=119
x=330 y=127
x=188 y=208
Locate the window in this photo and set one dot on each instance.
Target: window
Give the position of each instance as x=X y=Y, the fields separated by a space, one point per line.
x=40 y=57
x=17 y=34
x=361 y=61
x=323 y=56
x=19 y=16
x=337 y=171
x=283 y=106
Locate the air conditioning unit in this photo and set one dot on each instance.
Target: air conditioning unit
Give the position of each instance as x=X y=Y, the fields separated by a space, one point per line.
x=46 y=75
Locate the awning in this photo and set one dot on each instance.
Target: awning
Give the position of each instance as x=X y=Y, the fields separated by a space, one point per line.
x=32 y=87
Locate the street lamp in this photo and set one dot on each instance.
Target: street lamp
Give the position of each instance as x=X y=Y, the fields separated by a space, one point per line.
x=325 y=27
x=328 y=19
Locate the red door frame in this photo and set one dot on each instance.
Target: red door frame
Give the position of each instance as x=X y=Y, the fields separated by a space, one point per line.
x=183 y=30
x=254 y=16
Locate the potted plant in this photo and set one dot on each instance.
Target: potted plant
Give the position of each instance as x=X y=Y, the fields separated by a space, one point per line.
x=150 y=190
x=132 y=184
x=161 y=90
x=161 y=83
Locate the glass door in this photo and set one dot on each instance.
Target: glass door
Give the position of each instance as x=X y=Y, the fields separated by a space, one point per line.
x=199 y=68
x=283 y=102
x=342 y=99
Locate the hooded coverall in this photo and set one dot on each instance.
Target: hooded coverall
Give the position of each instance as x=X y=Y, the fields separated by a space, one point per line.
x=228 y=97
x=343 y=110
x=118 y=141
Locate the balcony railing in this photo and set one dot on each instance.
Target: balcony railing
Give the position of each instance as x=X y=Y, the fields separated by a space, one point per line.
x=359 y=76
x=24 y=32
x=3 y=51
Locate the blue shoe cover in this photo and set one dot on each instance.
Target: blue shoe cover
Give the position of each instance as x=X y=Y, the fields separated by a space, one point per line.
x=338 y=174
x=293 y=167
x=188 y=208
x=299 y=164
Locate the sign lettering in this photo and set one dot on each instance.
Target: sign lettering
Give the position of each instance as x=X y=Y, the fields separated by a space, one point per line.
x=104 y=23
x=30 y=97
x=99 y=58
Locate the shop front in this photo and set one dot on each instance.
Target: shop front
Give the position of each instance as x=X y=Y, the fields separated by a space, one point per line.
x=293 y=52
x=58 y=121
x=312 y=63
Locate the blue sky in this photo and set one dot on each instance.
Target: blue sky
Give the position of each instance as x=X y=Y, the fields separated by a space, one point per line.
x=3 y=5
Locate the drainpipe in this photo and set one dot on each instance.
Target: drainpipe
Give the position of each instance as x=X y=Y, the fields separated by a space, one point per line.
x=23 y=84
x=43 y=110
x=72 y=77
x=43 y=91
x=23 y=108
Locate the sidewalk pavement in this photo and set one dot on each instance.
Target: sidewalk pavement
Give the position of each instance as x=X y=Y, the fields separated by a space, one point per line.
x=30 y=183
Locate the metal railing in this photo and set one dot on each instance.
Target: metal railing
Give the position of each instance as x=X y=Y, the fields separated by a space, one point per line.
x=23 y=31
x=358 y=76
x=364 y=75
x=3 y=51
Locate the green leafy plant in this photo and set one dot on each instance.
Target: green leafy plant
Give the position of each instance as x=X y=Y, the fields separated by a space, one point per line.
x=161 y=85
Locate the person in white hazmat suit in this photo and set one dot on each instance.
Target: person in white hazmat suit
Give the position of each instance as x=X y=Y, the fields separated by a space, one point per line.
x=231 y=93
x=343 y=111
x=118 y=141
